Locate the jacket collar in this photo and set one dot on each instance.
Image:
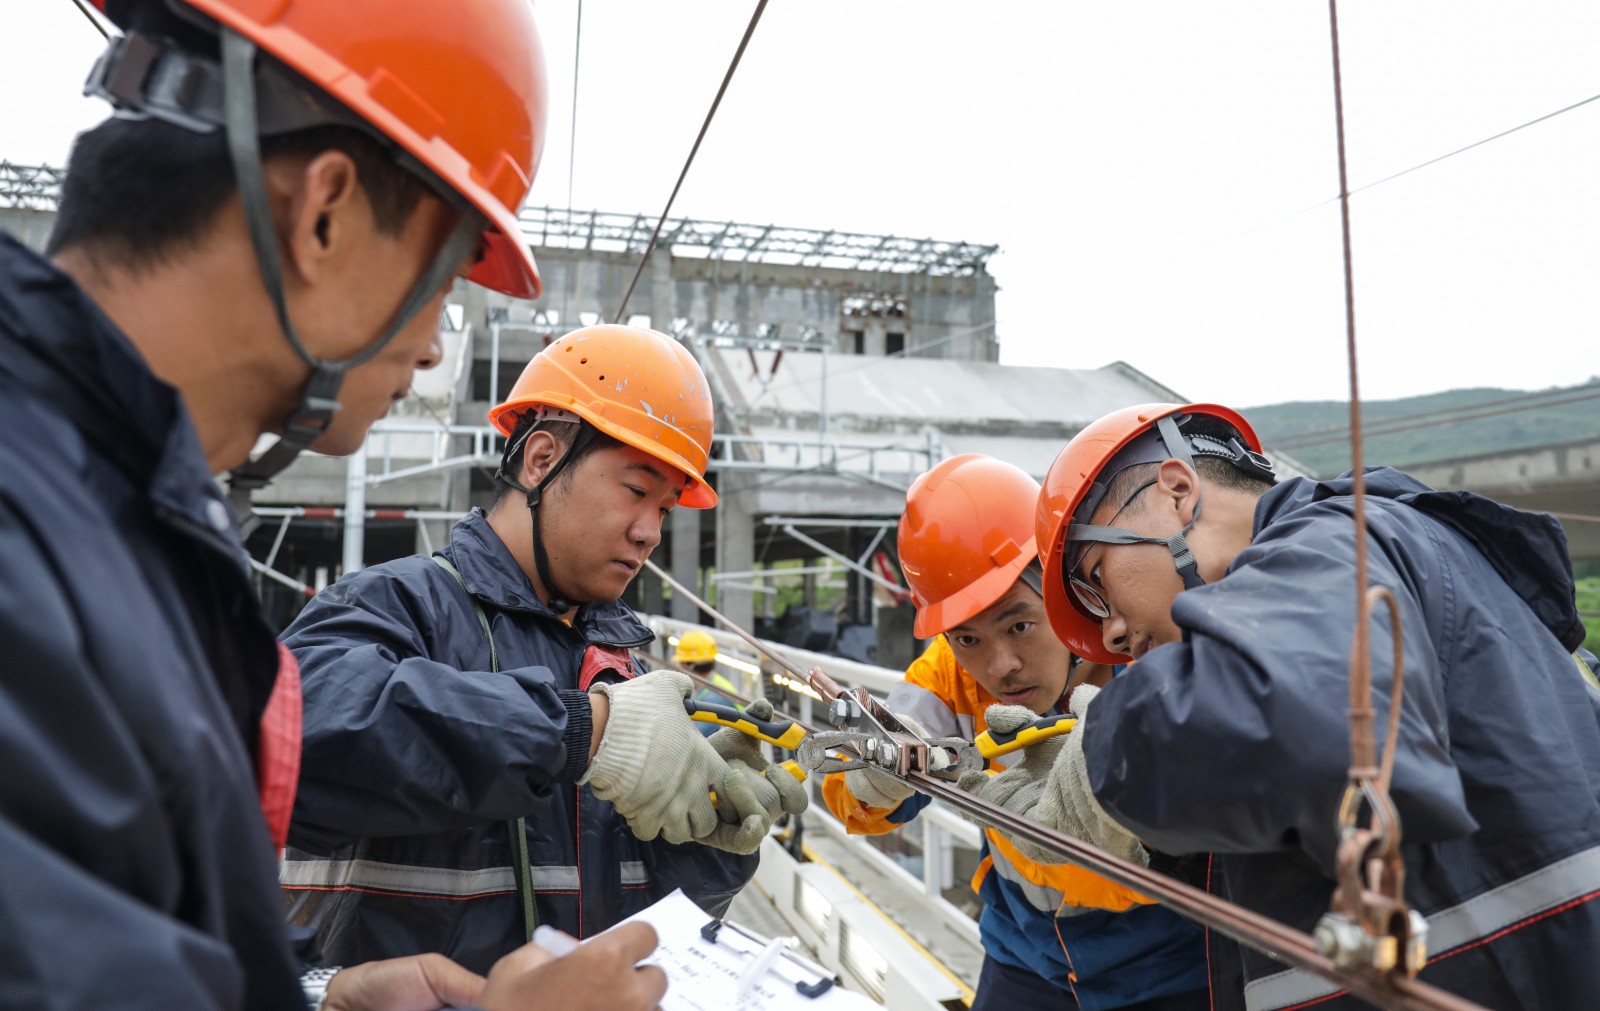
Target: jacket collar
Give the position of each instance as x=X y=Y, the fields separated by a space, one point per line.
x=493 y=575
x=65 y=347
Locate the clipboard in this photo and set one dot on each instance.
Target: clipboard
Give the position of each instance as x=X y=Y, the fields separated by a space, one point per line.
x=705 y=960
x=820 y=981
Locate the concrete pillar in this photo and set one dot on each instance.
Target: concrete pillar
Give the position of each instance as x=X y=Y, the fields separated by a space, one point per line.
x=735 y=547
x=662 y=306
x=858 y=588
x=355 y=510
x=685 y=560
x=436 y=537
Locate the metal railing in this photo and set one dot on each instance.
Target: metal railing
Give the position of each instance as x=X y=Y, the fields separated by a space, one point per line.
x=427 y=447
x=813 y=453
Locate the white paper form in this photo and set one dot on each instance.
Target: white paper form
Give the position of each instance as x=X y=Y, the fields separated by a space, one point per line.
x=703 y=975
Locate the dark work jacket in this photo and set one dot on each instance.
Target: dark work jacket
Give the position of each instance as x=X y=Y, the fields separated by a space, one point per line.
x=416 y=755
x=1237 y=740
x=135 y=865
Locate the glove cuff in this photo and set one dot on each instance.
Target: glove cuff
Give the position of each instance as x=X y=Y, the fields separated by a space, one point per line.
x=578 y=734
x=624 y=753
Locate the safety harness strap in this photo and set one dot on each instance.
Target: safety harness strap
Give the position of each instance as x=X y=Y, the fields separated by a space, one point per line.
x=516 y=827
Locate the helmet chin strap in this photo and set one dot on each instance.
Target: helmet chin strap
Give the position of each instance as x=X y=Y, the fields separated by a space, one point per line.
x=558 y=602
x=1182 y=557
x=318 y=400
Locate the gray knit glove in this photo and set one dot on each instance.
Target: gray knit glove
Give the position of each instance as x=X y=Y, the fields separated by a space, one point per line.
x=878 y=789
x=653 y=764
x=1051 y=786
x=757 y=791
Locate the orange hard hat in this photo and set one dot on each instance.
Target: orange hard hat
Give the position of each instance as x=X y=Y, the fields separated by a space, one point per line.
x=460 y=87
x=965 y=538
x=1078 y=479
x=638 y=386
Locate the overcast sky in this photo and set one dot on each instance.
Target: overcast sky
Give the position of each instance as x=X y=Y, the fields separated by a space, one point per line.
x=1160 y=176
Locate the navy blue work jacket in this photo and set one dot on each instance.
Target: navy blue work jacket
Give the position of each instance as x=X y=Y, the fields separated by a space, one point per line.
x=135 y=864
x=1237 y=740
x=416 y=754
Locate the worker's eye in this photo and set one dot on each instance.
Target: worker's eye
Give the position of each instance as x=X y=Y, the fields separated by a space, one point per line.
x=966 y=641
x=1022 y=627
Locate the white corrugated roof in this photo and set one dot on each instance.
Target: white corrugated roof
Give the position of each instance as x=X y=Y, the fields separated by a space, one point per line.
x=913 y=391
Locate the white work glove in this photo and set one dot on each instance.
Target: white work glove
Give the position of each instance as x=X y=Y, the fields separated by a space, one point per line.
x=757 y=791
x=1051 y=786
x=653 y=764
x=878 y=789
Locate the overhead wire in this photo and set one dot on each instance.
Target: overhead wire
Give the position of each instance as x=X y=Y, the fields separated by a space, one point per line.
x=1291 y=215
x=1477 y=143
x=655 y=236
x=1409 y=423
x=1343 y=431
x=572 y=146
x=99 y=26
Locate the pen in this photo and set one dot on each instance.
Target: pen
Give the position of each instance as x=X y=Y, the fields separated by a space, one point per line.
x=553 y=940
x=758 y=967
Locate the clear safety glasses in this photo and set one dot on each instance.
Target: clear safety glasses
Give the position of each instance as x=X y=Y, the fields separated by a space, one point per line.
x=1088 y=597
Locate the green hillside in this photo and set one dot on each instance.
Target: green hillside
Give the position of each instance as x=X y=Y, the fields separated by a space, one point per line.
x=1589 y=607
x=1535 y=421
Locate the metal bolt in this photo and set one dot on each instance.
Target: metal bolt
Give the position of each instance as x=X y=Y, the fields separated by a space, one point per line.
x=844 y=711
x=1343 y=941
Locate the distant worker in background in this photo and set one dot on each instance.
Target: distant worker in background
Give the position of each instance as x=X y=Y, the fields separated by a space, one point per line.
x=696 y=652
x=1054 y=935
x=483 y=752
x=1166 y=539
x=260 y=241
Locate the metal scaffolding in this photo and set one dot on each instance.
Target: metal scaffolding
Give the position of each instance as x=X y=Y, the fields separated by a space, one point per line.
x=604 y=231
x=38 y=188
x=30 y=187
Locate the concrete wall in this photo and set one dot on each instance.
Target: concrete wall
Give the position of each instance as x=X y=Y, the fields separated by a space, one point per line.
x=1563 y=479
x=951 y=317
x=32 y=227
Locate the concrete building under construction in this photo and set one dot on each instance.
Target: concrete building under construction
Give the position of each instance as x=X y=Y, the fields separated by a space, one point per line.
x=842 y=365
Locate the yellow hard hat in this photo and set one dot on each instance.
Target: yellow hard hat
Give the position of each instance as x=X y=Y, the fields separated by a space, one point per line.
x=695 y=647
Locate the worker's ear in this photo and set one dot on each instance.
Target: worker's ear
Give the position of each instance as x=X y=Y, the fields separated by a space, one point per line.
x=321 y=211
x=540 y=451
x=1177 y=488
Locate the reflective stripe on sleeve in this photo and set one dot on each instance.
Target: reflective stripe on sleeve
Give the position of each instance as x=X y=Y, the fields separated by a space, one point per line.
x=1505 y=907
x=443 y=882
x=927 y=708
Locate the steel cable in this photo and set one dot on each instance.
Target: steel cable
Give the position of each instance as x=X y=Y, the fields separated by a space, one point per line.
x=650 y=246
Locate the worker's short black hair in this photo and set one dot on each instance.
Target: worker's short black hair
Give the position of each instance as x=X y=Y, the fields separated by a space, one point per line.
x=703 y=667
x=565 y=432
x=138 y=192
x=1214 y=469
